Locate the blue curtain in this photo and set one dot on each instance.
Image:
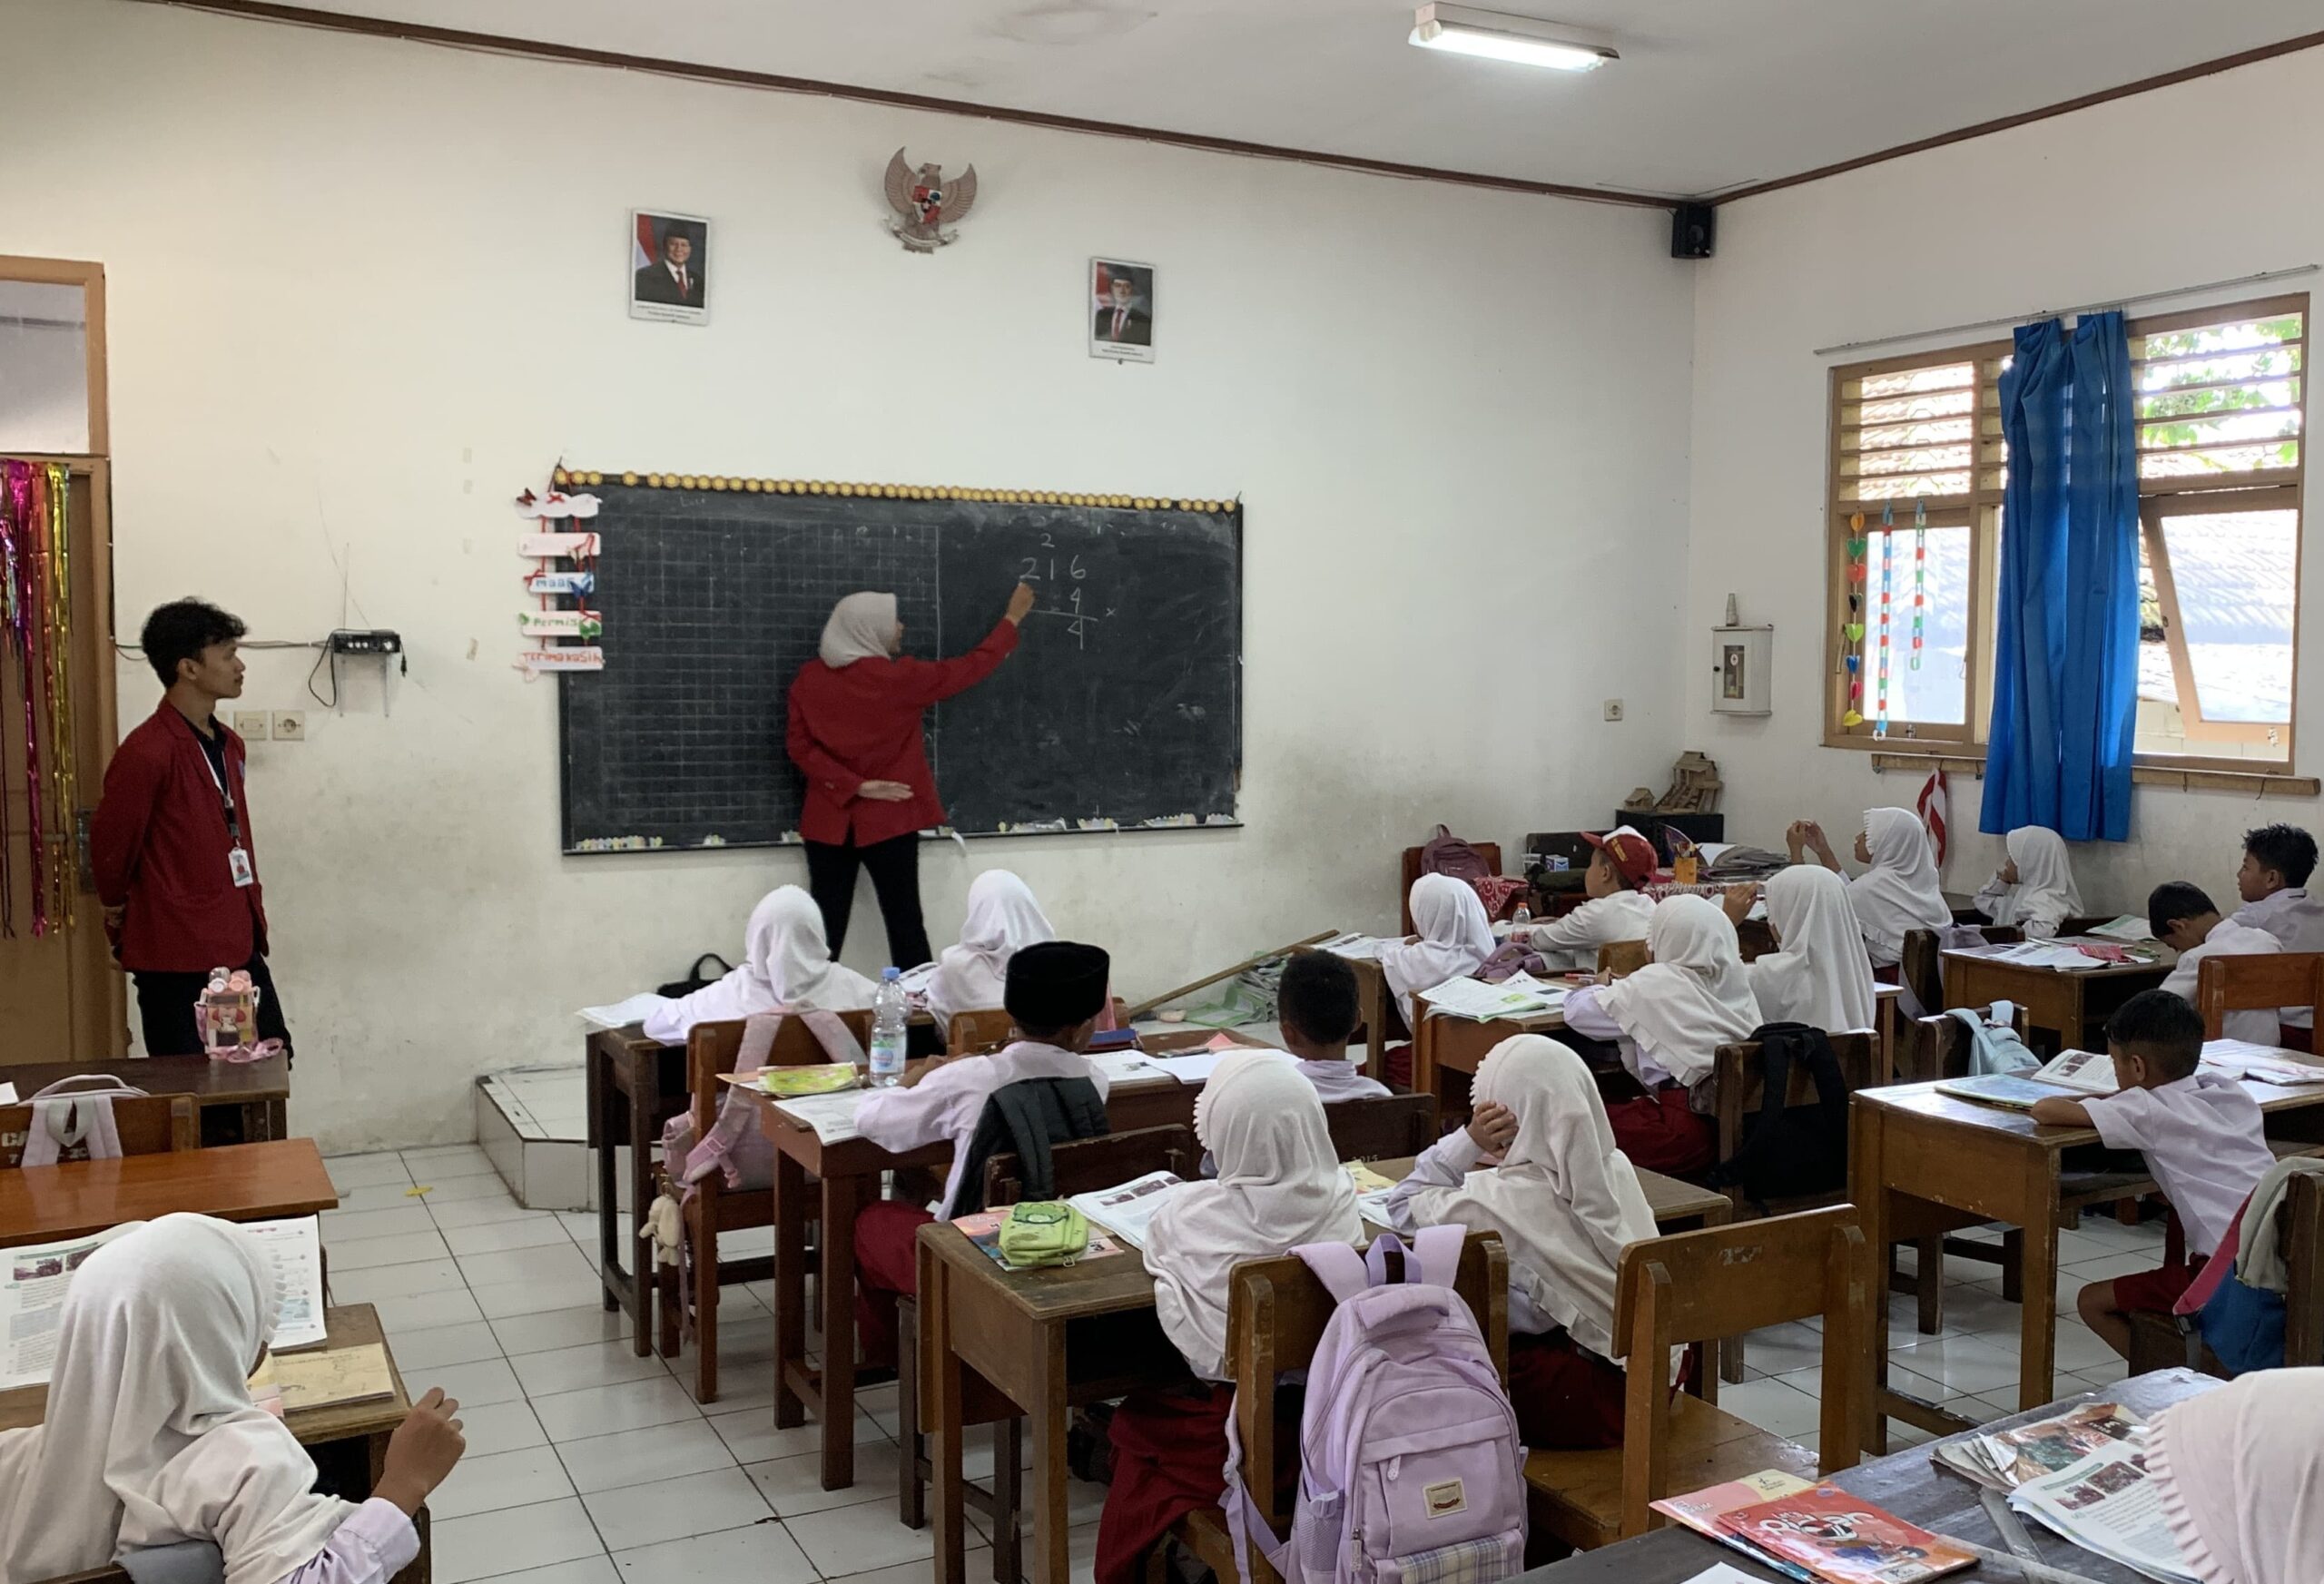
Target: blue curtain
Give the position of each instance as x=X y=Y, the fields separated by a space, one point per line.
x=2065 y=683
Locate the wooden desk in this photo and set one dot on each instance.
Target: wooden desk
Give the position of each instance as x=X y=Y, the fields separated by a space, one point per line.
x=1459 y=1045
x=245 y=1099
x=1051 y=1340
x=1922 y=1164
x=2070 y=1007
x=848 y=1173
x=1908 y=1485
x=636 y=1085
x=235 y=1182
x=348 y=1441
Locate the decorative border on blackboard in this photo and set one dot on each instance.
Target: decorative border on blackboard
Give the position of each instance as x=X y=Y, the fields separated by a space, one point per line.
x=572 y=478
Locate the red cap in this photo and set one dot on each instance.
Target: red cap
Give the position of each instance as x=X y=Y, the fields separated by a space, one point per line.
x=1632 y=855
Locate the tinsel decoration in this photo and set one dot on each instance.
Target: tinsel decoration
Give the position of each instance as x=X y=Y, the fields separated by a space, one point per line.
x=37 y=632
x=1920 y=576
x=1887 y=591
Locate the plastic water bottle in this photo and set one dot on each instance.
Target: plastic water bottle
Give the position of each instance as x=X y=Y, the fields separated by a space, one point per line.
x=890 y=1013
x=1522 y=917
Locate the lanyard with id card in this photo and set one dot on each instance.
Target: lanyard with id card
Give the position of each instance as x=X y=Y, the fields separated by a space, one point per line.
x=238 y=857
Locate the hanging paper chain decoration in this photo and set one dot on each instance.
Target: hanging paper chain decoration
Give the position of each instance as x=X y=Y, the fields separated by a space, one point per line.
x=1852 y=655
x=36 y=629
x=1920 y=575
x=1887 y=587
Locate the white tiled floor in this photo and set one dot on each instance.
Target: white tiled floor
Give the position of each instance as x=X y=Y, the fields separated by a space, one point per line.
x=589 y=1465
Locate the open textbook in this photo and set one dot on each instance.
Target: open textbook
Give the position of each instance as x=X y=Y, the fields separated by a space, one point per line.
x=2004 y=1459
x=2070 y=1072
x=2107 y=1502
x=1521 y=995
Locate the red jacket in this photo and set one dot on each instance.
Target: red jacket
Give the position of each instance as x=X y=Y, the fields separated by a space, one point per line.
x=861 y=722
x=159 y=845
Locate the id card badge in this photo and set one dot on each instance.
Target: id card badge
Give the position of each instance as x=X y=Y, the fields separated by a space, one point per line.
x=238 y=861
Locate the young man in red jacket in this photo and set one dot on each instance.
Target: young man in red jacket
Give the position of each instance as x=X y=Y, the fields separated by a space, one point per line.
x=176 y=867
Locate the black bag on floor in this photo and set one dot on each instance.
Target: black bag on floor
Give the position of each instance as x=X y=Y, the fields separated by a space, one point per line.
x=1792 y=1151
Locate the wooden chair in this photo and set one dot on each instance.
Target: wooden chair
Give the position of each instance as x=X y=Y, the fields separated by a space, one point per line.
x=2157 y=1343
x=148 y=1124
x=1382 y=1126
x=1921 y=971
x=1409 y=872
x=1275 y=1313
x=1740 y=1095
x=712 y=1049
x=1623 y=957
x=1087 y=1165
x=978 y=1031
x=2248 y=984
x=1695 y=1286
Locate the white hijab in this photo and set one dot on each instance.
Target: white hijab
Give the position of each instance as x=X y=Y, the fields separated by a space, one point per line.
x=2044 y=896
x=859 y=628
x=152 y=1438
x=1564 y=1199
x=1693 y=997
x=786 y=962
x=1821 y=976
x=1279 y=1185
x=2240 y=1471
x=1455 y=939
x=1900 y=891
x=1003 y=919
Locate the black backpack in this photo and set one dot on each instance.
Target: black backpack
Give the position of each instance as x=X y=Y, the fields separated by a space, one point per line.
x=1792 y=1151
x=1024 y=1119
x=695 y=978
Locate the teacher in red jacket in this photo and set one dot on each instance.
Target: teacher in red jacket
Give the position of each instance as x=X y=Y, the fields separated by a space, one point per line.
x=855 y=732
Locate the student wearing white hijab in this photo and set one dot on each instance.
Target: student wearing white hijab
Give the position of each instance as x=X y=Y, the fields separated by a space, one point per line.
x=2239 y=1470
x=1898 y=892
x=2035 y=889
x=1669 y=1020
x=1566 y=1202
x=1454 y=938
x=1003 y=919
x=152 y=1438
x=786 y=963
x=1279 y=1185
x=1820 y=975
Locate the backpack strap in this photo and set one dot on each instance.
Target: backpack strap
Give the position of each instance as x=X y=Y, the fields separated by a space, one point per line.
x=834 y=1036
x=1338 y=1266
x=1244 y=1520
x=759 y=1030
x=104 y=1083
x=1438 y=1251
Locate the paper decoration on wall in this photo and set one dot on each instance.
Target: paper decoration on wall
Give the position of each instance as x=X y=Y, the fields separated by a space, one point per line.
x=1920 y=576
x=925 y=204
x=1853 y=657
x=557 y=514
x=37 y=637
x=1883 y=646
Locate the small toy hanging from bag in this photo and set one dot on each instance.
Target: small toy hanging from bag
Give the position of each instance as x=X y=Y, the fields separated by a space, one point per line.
x=226 y=1013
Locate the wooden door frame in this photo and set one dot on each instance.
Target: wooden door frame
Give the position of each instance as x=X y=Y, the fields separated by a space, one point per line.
x=90 y=276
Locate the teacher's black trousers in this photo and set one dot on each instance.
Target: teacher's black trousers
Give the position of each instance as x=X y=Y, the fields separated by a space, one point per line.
x=894 y=865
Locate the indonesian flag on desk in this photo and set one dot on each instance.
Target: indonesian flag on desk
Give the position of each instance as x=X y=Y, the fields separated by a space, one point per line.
x=1935 y=806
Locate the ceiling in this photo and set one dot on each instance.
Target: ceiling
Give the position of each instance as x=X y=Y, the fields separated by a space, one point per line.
x=1709 y=94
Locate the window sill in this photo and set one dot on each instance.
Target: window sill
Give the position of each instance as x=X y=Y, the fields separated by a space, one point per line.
x=2275 y=783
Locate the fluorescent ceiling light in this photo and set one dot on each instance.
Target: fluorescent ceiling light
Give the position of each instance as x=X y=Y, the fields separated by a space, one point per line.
x=1498 y=37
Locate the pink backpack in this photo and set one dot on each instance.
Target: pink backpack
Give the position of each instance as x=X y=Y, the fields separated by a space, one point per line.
x=1445 y=853
x=1410 y=1467
x=735 y=1146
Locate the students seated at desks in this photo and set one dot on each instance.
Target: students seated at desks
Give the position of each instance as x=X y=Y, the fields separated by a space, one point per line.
x=2273 y=883
x=2239 y=1470
x=1668 y=1019
x=152 y=1439
x=2185 y=919
x=786 y=963
x=1453 y=941
x=1819 y=975
x=1317 y=1009
x=1003 y=919
x=1055 y=991
x=1538 y=1165
x=2202 y=1137
x=1279 y=1185
x=1623 y=861
x=1898 y=892
x=2035 y=889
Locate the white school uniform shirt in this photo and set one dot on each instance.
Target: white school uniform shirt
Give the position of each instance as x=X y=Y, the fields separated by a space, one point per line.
x=1573 y=940
x=2045 y=895
x=948 y=1102
x=786 y=962
x=2296 y=920
x=2203 y=1139
x=2259 y=1025
x=1339 y=1080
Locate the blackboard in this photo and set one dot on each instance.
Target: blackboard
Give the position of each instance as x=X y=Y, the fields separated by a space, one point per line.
x=1121 y=709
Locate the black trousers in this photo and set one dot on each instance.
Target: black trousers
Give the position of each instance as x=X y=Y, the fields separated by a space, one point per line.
x=165 y=1005
x=895 y=878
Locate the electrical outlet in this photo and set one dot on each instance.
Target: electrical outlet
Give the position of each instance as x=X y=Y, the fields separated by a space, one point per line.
x=290 y=726
x=1613 y=709
x=251 y=725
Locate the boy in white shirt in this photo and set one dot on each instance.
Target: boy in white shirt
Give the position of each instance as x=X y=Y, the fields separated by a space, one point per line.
x=2202 y=1137
x=1318 y=1008
x=2273 y=883
x=2185 y=919
x=1055 y=991
x=1616 y=910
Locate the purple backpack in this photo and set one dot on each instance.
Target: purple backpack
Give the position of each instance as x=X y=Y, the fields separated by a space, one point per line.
x=1409 y=1469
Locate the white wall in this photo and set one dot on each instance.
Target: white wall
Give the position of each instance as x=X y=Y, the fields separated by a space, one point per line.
x=2145 y=195
x=361 y=293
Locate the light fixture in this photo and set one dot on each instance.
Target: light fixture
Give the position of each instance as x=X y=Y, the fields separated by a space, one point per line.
x=1498 y=37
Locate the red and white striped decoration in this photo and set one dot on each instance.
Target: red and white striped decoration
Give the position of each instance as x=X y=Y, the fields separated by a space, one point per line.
x=1935 y=807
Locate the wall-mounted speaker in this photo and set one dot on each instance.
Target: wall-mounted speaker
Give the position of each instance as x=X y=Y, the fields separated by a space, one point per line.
x=1694 y=228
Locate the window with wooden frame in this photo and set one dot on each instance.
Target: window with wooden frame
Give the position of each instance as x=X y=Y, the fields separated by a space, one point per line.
x=1916 y=523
